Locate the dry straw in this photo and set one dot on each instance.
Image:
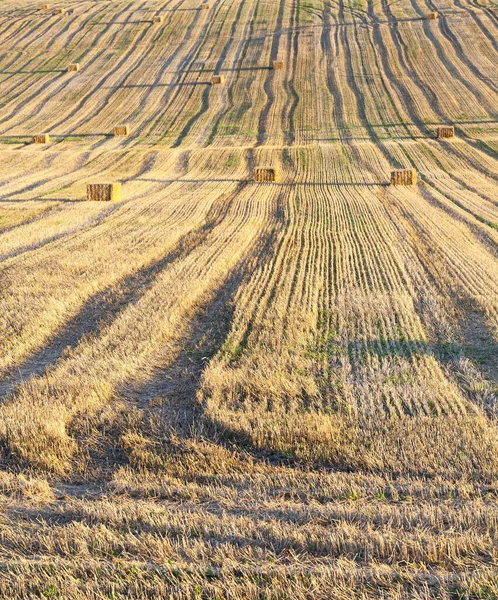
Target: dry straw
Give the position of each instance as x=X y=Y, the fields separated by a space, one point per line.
x=404 y=177
x=432 y=15
x=217 y=79
x=445 y=131
x=265 y=174
x=103 y=192
x=73 y=67
x=278 y=65
x=43 y=138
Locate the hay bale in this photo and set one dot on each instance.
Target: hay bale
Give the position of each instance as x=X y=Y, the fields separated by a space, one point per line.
x=73 y=67
x=122 y=130
x=217 y=79
x=404 y=177
x=103 y=192
x=59 y=11
x=432 y=15
x=45 y=7
x=43 y=138
x=265 y=174
x=278 y=65
x=206 y=6
x=158 y=19
x=445 y=131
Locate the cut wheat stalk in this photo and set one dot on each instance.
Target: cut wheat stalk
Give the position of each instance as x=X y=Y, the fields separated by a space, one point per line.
x=103 y=192
x=404 y=177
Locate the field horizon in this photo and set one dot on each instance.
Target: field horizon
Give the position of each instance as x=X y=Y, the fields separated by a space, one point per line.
x=217 y=387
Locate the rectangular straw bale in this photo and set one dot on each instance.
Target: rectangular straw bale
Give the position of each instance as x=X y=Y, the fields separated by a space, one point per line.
x=404 y=177
x=217 y=79
x=45 y=7
x=43 y=138
x=59 y=11
x=206 y=6
x=432 y=15
x=103 y=192
x=158 y=19
x=278 y=65
x=445 y=131
x=73 y=67
x=265 y=174
x=122 y=130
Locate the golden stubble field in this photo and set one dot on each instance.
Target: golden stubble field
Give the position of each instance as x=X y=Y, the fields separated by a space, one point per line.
x=215 y=388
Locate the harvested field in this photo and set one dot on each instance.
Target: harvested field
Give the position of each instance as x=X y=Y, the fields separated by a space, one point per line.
x=221 y=388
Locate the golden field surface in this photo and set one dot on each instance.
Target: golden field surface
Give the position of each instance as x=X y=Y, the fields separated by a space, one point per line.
x=215 y=388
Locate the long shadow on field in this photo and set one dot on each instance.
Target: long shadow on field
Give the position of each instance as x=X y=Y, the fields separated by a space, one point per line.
x=145 y=86
x=272 y=183
x=33 y=72
x=474 y=341
x=479 y=346
x=103 y=308
x=173 y=389
x=175 y=10
x=170 y=394
x=138 y=22
x=220 y=70
x=28 y=139
x=347 y=138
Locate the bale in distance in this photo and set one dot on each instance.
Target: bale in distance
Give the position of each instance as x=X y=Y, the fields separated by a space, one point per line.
x=404 y=177
x=262 y=174
x=45 y=7
x=103 y=192
x=158 y=19
x=278 y=65
x=217 y=79
x=432 y=15
x=59 y=11
x=445 y=132
x=73 y=67
x=42 y=138
x=205 y=6
x=122 y=130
